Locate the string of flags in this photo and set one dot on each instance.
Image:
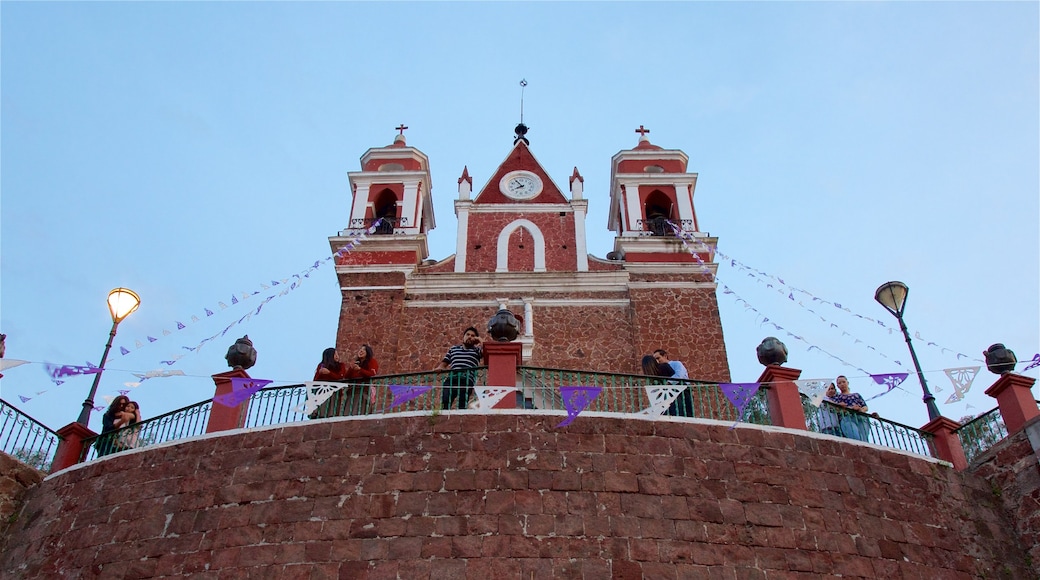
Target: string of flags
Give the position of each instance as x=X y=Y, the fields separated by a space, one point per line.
x=759 y=276
x=288 y=285
x=59 y=372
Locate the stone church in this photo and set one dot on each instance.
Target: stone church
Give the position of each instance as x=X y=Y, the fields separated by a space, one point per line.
x=521 y=245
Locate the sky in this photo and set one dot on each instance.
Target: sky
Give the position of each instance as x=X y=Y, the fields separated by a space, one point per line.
x=196 y=151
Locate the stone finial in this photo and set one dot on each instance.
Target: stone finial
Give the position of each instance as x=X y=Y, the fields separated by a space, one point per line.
x=999 y=359
x=241 y=355
x=771 y=351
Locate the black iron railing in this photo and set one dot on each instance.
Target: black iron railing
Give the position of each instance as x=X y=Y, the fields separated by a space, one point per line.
x=661 y=226
x=180 y=424
x=981 y=433
x=25 y=438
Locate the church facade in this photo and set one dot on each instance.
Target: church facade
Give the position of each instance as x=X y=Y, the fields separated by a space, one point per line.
x=521 y=244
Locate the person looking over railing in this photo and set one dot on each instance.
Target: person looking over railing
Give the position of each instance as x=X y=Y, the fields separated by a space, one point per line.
x=853 y=425
x=827 y=418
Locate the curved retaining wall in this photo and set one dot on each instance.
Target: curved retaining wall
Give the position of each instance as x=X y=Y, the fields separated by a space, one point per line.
x=509 y=496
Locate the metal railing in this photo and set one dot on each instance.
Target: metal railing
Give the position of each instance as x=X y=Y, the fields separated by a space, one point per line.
x=25 y=438
x=834 y=420
x=981 y=433
x=180 y=424
x=622 y=393
x=538 y=390
x=286 y=404
x=662 y=226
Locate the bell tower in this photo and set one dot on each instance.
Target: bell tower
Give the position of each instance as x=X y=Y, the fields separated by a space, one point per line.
x=392 y=187
x=392 y=208
x=651 y=204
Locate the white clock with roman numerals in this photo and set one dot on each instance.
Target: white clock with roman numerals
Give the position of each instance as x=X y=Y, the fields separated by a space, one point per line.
x=520 y=185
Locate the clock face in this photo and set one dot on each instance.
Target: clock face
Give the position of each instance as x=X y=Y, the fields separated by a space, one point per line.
x=521 y=185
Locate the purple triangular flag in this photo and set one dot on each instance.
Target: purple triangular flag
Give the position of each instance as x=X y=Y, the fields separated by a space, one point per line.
x=241 y=389
x=180 y=326
x=123 y=351
x=234 y=300
x=1034 y=364
x=891 y=380
x=404 y=393
x=150 y=339
x=739 y=394
x=24 y=399
x=575 y=400
x=123 y=391
x=208 y=312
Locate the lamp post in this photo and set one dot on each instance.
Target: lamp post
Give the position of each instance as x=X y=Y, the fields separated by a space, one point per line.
x=892 y=295
x=121 y=303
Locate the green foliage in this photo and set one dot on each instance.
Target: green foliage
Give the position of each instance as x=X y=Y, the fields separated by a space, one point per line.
x=36 y=459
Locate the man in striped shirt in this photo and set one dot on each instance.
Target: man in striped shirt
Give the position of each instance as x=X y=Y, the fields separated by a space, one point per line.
x=461 y=359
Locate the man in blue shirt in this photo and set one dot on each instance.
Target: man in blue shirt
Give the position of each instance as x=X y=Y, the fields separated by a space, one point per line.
x=682 y=406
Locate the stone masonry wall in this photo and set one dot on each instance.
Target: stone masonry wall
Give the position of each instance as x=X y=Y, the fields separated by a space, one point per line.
x=509 y=496
x=15 y=478
x=1012 y=467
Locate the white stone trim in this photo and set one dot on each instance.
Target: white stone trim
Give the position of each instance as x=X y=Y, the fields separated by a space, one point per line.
x=503 y=245
x=521 y=208
x=462 y=209
x=342 y=288
x=580 y=207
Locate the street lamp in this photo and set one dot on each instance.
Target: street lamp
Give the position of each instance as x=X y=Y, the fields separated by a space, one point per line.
x=121 y=303
x=892 y=295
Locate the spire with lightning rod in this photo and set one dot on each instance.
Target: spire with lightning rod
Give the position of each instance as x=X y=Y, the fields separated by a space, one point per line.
x=521 y=129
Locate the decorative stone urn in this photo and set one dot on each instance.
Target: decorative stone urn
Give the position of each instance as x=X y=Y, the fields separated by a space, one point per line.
x=771 y=351
x=241 y=355
x=999 y=359
x=504 y=326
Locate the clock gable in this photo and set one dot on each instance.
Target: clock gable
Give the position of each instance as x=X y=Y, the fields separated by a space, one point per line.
x=519 y=164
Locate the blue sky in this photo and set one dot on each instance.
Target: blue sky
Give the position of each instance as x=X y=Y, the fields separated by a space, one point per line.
x=192 y=151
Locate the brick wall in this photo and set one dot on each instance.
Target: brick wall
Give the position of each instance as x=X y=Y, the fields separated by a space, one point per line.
x=509 y=496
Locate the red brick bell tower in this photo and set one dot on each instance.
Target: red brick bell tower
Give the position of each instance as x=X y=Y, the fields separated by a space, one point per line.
x=521 y=244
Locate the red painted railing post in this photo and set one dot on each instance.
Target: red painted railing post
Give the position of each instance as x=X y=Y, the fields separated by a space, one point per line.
x=502 y=360
x=946 y=441
x=70 y=448
x=222 y=417
x=785 y=403
x=1015 y=399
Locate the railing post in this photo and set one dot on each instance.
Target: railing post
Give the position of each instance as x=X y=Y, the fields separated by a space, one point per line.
x=1015 y=399
x=946 y=441
x=785 y=404
x=70 y=447
x=222 y=417
x=502 y=360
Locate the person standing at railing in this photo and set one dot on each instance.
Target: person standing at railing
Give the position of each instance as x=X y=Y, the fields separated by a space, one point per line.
x=364 y=367
x=330 y=369
x=461 y=359
x=827 y=418
x=853 y=425
x=110 y=421
x=682 y=406
x=129 y=416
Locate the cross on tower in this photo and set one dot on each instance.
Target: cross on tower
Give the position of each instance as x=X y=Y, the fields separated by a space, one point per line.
x=402 y=127
x=642 y=132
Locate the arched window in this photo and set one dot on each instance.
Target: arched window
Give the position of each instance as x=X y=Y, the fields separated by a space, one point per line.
x=657 y=212
x=385 y=207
